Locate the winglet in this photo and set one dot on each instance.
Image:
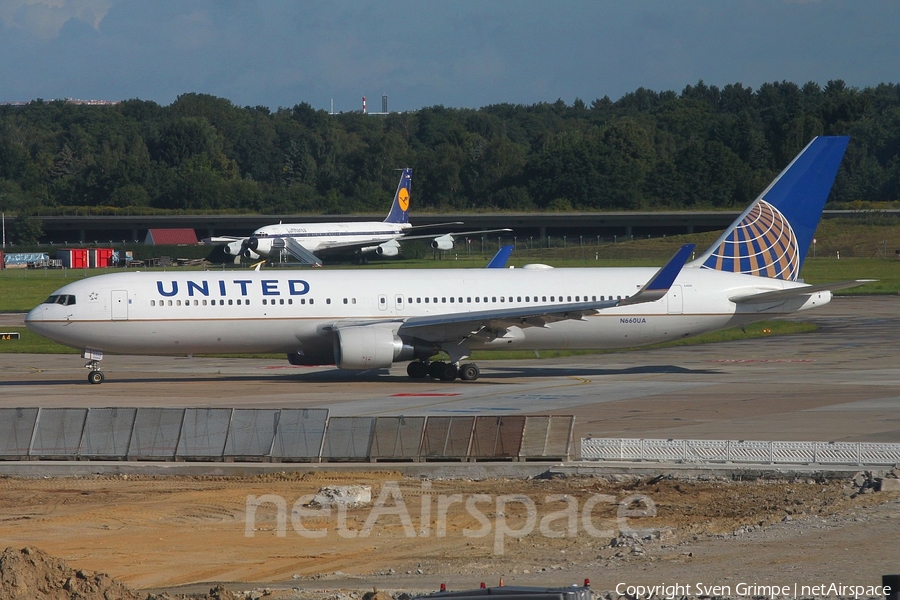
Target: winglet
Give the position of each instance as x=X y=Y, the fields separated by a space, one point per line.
x=499 y=260
x=660 y=283
x=400 y=208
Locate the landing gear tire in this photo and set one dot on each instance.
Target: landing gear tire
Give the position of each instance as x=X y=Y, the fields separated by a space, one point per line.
x=469 y=372
x=449 y=372
x=435 y=369
x=417 y=369
x=96 y=377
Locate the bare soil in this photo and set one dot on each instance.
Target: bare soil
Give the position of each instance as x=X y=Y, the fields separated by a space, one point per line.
x=160 y=533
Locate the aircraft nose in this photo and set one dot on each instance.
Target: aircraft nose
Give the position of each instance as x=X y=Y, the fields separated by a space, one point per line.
x=35 y=314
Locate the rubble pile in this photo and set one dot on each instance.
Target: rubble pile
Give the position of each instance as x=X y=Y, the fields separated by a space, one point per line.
x=30 y=574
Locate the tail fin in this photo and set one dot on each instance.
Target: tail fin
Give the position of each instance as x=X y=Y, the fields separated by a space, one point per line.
x=400 y=208
x=771 y=238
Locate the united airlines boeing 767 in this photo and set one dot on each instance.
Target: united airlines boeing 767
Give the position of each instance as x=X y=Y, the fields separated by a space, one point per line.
x=367 y=319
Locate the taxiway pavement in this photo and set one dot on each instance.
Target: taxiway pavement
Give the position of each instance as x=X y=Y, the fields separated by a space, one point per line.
x=841 y=383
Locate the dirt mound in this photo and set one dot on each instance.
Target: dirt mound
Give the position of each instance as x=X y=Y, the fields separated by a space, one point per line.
x=31 y=574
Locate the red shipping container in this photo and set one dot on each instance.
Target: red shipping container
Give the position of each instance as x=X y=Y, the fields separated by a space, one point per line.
x=104 y=257
x=74 y=258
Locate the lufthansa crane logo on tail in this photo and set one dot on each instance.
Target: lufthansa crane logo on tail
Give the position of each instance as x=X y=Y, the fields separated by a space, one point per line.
x=403 y=199
x=762 y=244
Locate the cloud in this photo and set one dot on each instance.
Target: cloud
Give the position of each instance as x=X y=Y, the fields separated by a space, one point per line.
x=45 y=18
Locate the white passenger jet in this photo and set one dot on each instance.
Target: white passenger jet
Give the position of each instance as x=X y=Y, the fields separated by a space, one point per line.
x=309 y=242
x=365 y=319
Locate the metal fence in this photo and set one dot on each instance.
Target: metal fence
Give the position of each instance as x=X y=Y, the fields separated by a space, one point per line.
x=250 y=434
x=740 y=451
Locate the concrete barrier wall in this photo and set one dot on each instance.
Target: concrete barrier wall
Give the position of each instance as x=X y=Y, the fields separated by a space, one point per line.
x=204 y=434
x=740 y=451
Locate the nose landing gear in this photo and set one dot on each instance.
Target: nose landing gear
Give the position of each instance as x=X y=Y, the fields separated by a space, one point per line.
x=94 y=357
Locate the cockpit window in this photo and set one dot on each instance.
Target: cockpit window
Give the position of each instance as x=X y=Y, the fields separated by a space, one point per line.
x=64 y=299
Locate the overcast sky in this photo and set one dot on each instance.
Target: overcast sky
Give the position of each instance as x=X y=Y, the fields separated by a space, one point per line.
x=457 y=53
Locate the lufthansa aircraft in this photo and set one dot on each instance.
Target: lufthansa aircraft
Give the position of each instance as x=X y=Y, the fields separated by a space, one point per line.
x=308 y=242
x=363 y=319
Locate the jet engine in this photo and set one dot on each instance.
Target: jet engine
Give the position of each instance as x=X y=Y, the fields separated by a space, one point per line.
x=369 y=347
x=444 y=242
x=388 y=248
x=235 y=248
x=261 y=246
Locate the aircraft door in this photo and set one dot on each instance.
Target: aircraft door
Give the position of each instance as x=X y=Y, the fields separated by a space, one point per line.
x=676 y=302
x=119 y=305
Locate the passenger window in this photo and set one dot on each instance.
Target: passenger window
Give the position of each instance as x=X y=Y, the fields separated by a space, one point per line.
x=230 y=302
x=281 y=301
x=327 y=300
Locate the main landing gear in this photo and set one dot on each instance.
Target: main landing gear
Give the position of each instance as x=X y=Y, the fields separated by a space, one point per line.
x=445 y=371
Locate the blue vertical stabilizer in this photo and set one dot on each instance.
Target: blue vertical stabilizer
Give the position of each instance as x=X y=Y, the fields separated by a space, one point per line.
x=771 y=238
x=400 y=208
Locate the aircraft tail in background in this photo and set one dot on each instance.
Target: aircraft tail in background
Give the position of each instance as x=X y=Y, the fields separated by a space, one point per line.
x=400 y=208
x=771 y=238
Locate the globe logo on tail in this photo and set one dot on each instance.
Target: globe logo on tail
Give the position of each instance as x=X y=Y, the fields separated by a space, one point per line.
x=762 y=244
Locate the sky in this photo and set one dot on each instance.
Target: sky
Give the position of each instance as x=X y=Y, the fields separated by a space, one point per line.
x=455 y=53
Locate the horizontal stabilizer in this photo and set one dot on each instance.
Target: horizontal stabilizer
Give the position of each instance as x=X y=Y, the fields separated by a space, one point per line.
x=797 y=292
x=659 y=285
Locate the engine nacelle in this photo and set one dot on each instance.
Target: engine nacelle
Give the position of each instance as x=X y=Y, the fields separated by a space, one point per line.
x=368 y=347
x=389 y=248
x=261 y=246
x=235 y=248
x=444 y=242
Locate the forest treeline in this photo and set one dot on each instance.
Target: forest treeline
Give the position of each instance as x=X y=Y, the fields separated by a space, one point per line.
x=702 y=148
